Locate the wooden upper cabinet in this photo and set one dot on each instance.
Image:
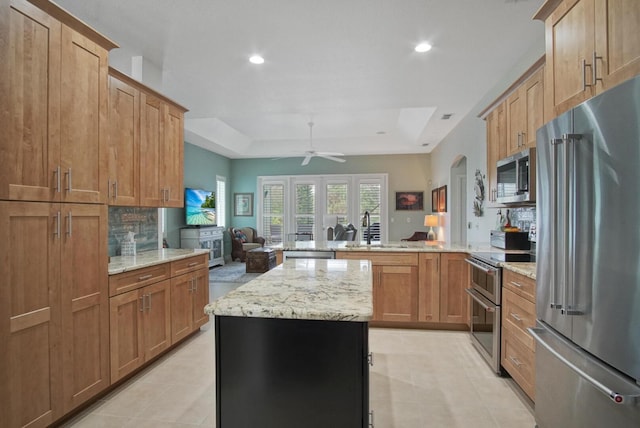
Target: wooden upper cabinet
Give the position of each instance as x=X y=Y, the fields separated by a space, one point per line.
x=54 y=84
x=30 y=85
x=617 y=42
x=172 y=159
x=83 y=119
x=496 y=147
x=524 y=109
x=533 y=90
x=161 y=152
x=151 y=138
x=591 y=45
x=124 y=143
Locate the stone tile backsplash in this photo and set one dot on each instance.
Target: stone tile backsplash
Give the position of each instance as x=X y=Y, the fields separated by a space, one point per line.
x=141 y=221
x=521 y=217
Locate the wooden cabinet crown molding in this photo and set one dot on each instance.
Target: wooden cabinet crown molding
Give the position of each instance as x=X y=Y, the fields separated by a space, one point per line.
x=546 y=9
x=74 y=23
x=142 y=87
x=514 y=86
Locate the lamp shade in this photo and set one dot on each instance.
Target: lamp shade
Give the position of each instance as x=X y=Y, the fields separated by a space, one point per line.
x=431 y=220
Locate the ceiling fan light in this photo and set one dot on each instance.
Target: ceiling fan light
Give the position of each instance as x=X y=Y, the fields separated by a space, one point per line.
x=256 y=59
x=423 y=47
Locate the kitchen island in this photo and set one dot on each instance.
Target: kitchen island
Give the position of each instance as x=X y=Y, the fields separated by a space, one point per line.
x=292 y=347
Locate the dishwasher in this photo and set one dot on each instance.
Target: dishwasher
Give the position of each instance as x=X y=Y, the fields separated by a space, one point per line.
x=314 y=254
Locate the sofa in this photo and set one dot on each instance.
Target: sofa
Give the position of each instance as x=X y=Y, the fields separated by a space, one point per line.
x=244 y=239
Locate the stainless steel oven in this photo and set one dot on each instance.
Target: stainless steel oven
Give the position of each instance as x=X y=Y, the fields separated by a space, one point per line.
x=484 y=307
x=485 y=297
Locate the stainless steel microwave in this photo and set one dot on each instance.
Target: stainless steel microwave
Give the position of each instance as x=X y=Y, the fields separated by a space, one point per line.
x=516 y=178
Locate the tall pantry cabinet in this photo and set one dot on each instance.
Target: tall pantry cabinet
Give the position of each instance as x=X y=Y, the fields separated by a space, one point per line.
x=54 y=311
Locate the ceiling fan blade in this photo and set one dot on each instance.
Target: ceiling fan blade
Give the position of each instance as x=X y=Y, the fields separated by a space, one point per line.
x=330 y=154
x=331 y=158
x=306 y=160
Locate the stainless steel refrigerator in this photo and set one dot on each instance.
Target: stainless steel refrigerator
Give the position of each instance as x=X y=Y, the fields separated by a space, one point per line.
x=588 y=264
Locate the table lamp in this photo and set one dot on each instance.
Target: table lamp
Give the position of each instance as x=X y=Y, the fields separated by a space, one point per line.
x=431 y=221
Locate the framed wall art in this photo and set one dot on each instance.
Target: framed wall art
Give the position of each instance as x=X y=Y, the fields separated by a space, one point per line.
x=243 y=204
x=442 y=199
x=434 y=201
x=409 y=201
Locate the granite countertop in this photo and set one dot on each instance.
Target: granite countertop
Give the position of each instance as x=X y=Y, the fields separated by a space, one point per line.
x=335 y=290
x=395 y=246
x=119 y=264
x=523 y=268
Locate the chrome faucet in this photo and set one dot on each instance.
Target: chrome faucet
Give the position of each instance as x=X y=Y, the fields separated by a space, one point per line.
x=366 y=222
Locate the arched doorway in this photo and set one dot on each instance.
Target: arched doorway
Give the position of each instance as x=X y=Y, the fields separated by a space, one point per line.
x=458 y=212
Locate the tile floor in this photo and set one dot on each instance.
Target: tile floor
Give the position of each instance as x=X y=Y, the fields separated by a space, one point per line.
x=419 y=379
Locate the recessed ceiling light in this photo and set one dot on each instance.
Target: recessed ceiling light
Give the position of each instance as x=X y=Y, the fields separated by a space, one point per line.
x=381 y=132
x=256 y=59
x=423 y=47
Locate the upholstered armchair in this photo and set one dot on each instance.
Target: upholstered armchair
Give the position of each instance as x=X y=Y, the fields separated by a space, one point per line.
x=242 y=240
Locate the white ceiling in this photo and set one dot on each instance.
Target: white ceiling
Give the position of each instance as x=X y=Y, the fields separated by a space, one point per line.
x=347 y=65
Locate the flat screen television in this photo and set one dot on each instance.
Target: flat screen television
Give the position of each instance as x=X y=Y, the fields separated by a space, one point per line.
x=200 y=207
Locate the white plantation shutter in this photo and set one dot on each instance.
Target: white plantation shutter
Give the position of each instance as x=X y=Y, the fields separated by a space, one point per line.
x=370 y=200
x=338 y=201
x=273 y=212
x=221 y=200
x=305 y=208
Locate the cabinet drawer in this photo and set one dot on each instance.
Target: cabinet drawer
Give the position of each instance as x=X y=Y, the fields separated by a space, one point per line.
x=189 y=264
x=519 y=361
x=519 y=284
x=518 y=314
x=127 y=281
x=386 y=259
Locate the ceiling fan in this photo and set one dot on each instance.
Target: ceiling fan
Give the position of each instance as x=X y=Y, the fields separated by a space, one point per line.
x=311 y=153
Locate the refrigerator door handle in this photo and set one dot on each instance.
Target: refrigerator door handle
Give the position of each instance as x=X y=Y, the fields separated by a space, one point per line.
x=554 y=198
x=628 y=399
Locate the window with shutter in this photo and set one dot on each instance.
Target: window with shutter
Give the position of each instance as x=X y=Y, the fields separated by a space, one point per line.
x=273 y=212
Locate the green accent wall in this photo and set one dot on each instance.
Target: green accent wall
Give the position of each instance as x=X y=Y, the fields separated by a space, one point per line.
x=200 y=169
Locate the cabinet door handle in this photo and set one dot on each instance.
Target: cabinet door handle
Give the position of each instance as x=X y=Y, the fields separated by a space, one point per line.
x=56 y=232
x=68 y=174
x=149 y=301
x=523 y=139
x=115 y=189
x=517 y=284
x=595 y=77
x=195 y=280
x=168 y=194
x=109 y=189
x=515 y=361
x=69 y=225
x=515 y=317
x=57 y=173
x=370 y=358
x=141 y=298
x=143 y=277
x=584 y=75
x=192 y=264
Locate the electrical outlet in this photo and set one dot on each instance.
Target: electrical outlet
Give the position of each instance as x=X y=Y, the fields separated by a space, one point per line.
x=408 y=219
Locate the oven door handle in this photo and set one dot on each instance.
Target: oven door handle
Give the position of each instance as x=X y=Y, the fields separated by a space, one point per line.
x=478 y=298
x=488 y=271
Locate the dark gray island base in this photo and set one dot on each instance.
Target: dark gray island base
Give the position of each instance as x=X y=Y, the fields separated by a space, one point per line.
x=291 y=373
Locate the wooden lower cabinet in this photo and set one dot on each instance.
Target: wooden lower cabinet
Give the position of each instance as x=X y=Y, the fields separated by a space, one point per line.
x=140 y=327
x=395 y=293
x=429 y=287
x=417 y=287
x=53 y=309
x=518 y=350
x=189 y=296
x=454 y=279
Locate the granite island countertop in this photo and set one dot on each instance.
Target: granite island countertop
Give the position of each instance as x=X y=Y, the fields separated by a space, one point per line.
x=119 y=264
x=312 y=289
